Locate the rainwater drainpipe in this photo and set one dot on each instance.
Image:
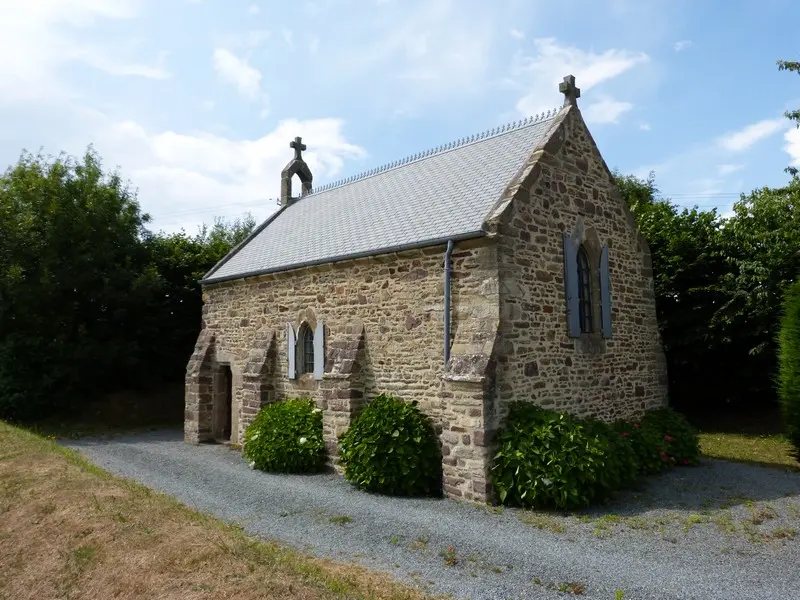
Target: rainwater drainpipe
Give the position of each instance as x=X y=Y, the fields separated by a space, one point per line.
x=448 y=272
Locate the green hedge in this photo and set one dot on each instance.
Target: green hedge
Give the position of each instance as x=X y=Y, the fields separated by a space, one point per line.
x=286 y=437
x=789 y=365
x=392 y=448
x=547 y=459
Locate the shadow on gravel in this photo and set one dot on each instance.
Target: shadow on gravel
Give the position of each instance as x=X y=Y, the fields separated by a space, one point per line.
x=147 y=435
x=713 y=485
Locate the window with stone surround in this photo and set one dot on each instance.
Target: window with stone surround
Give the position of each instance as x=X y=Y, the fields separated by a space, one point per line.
x=584 y=291
x=305 y=350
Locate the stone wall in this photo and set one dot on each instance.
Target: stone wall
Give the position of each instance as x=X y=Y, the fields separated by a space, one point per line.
x=566 y=186
x=383 y=322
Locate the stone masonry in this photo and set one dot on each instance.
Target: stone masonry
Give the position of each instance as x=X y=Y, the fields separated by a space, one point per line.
x=566 y=186
x=384 y=326
x=383 y=333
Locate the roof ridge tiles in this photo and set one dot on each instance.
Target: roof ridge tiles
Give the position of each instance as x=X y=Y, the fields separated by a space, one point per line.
x=436 y=150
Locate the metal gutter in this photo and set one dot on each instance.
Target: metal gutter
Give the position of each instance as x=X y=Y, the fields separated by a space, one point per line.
x=343 y=257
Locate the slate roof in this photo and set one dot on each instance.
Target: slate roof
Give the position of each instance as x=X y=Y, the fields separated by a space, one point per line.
x=426 y=199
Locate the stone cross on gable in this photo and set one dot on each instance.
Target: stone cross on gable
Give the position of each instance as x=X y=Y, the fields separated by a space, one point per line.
x=571 y=93
x=298 y=146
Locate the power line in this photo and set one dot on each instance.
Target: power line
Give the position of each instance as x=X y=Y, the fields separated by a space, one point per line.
x=682 y=197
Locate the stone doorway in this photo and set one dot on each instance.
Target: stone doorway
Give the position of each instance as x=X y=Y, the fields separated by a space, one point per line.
x=223 y=404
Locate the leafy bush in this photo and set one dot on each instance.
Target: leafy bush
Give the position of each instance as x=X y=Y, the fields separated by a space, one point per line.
x=681 y=444
x=620 y=461
x=392 y=448
x=286 y=437
x=789 y=365
x=647 y=445
x=552 y=460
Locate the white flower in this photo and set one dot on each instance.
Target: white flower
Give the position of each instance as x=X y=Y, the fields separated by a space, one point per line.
x=254 y=436
x=317 y=410
x=252 y=464
x=303 y=440
x=546 y=481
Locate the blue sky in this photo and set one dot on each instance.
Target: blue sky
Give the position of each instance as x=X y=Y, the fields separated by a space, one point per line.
x=196 y=100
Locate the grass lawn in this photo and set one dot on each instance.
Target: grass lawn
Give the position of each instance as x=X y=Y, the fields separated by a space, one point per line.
x=70 y=530
x=767 y=450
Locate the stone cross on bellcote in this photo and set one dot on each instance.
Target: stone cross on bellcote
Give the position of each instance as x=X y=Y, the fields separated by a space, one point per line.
x=571 y=93
x=298 y=146
x=297 y=166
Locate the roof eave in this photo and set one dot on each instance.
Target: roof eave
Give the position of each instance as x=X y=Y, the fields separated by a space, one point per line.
x=401 y=248
x=233 y=251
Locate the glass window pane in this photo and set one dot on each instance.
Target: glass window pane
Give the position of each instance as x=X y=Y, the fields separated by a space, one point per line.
x=584 y=291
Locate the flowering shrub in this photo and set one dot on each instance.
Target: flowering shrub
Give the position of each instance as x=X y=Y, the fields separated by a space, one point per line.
x=620 y=464
x=392 y=448
x=286 y=437
x=551 y=460
x=681 y=445
x=647 y=444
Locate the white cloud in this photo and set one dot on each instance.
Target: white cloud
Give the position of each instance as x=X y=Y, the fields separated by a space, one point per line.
x=37 y=37
x=792 y=138
x=430 y=53
x=645 y=127
x=288 y=36
x=605 y=111
x=313 y=45
x=541 y=73
x=186 y=179
x=517 y=34
x=744 y=138
x=99 y=60
x=253 y=9
x=725 y=170
x=681 y=45
x=237 y=72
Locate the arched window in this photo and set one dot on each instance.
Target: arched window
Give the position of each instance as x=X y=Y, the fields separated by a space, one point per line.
x=584 y=291
x=305 y=350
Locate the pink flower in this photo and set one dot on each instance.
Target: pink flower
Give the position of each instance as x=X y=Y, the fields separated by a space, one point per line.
x=668 y=438
x=636 y=425
x=624 y=434
x=686 y=462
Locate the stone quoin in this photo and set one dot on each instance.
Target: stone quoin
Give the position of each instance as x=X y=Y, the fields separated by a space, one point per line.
x=342 y=294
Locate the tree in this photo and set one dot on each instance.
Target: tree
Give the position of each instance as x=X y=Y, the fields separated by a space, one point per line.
x=687 y=264
x=73 y=278
x=789 y=373
x=90 y=300
x=762 y=245
x=792 y=67
x=792 y=115
x=181 y=261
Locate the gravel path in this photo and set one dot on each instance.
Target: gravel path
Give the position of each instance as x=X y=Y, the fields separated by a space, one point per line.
x=719 y=531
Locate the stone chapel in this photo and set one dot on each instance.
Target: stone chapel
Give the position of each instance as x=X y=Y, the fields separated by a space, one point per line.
x=503 y=266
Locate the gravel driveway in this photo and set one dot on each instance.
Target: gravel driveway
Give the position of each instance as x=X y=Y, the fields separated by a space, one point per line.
x=719 y=531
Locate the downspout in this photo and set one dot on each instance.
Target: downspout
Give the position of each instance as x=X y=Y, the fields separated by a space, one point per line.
x=448 y=272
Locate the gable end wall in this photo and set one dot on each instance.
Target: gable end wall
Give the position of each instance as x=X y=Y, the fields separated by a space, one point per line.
x=566 y=186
